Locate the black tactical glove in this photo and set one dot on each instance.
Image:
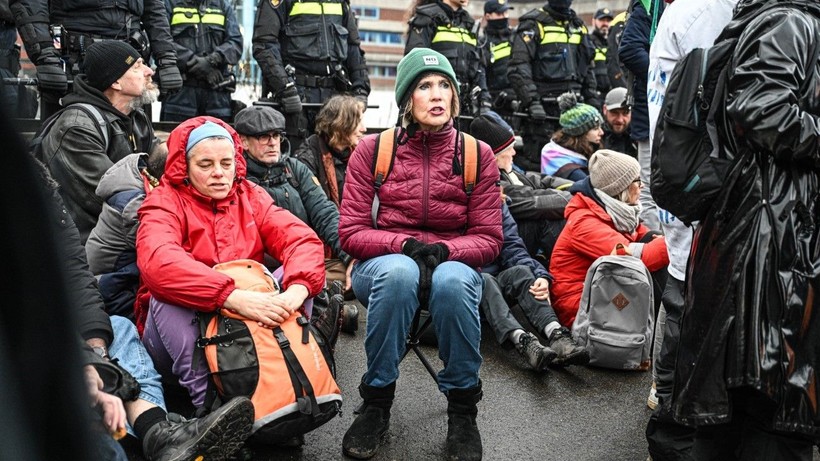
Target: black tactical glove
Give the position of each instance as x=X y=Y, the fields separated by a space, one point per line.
x=215 y=59
x=362 y=98
x=199 y=67
x=214 y=77
x=289 y=100
x=537 y=111
x=51 y=78
x=170 y=80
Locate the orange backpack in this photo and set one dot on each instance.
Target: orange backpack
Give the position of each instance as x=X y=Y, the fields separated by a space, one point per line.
x=287 y=372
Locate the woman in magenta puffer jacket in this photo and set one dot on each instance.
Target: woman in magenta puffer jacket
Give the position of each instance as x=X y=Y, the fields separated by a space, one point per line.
x=428 y=239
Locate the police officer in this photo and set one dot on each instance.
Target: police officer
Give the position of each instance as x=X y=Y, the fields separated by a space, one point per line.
x=600 y=30
x=308 y=51
x=141 y=23
x=444 y=26
x=551 y=54
x=615 y=69
x=497 y=47
x=207 y=41
x=16 y=99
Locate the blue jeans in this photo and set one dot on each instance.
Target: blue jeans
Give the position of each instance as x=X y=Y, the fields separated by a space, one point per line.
x=132 y=356
x=387 y=286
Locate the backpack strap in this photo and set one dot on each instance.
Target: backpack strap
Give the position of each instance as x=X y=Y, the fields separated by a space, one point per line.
x=471 y=164
x=382 y=165
x=95 y=114
x=305 y=395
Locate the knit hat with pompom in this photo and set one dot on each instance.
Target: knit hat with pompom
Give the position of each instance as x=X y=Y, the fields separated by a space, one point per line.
x=577 y=118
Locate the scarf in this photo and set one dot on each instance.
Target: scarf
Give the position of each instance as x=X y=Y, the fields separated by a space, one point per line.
x=624 y=216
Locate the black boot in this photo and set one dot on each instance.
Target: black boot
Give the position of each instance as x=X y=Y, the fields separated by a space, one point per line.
x=368 y=430
x=217 y=436
x=463 y=439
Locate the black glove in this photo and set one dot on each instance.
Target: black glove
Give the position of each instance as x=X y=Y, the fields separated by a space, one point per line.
x=427 y=258
x=214 y=77
x=215 y=59
x=537 y=111
x=51 y=78
x=199 y=67
x=289 y=100
x=170 y=80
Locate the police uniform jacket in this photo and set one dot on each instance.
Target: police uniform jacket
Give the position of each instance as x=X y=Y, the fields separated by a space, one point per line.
x=318 y=38
x=497 y=49
x=551 y=56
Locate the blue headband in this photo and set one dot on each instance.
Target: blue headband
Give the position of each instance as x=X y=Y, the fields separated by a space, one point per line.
x=205 y=131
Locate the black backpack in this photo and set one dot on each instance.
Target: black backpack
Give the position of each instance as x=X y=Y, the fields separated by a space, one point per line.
x=688 y=161
x=35 y=146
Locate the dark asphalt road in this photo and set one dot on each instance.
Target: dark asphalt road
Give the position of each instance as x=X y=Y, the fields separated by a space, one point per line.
x=579 y=413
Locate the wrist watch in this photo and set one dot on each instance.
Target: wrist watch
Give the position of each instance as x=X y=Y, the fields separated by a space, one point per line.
x=101 y=351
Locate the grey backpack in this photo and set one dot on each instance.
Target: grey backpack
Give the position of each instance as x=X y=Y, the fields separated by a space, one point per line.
x=616 y=316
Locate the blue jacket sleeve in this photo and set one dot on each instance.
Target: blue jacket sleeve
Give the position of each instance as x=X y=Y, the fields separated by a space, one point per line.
x=634 y=48
x=514 y=253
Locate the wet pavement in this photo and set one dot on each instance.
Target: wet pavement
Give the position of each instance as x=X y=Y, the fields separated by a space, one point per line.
x=578 y=413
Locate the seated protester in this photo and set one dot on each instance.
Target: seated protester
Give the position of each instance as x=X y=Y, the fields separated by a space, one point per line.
x=421 y=248
x=567 y=154
x=115 y=342
x=112 y=245
x=515 y=277
x=617 y=123
x=603 y=213
x=536 y=206
x=339 y=128
x=203 y=213
x=290 y=183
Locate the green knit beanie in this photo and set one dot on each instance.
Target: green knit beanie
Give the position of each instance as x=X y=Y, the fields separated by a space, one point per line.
x=577 y=118
x=414 y=65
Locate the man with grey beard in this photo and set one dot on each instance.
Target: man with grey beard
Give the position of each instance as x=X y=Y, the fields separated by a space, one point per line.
x=101 y=123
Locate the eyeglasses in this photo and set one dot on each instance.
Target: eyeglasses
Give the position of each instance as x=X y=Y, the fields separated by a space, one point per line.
x=638 y=182
x=267 y=138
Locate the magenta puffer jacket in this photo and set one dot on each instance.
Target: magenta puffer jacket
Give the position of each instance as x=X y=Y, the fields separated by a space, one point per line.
x=422 y=198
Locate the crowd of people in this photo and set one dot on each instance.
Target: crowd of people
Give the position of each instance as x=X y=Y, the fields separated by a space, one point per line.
x=447 y=213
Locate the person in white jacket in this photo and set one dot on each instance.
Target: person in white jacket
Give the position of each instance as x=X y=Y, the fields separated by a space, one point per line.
x=684 y=26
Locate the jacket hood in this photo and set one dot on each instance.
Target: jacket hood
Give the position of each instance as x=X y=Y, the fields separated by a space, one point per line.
x=176 y=168
x=123 y=175
x=584 y=197
x=85 y=93
x=747 y=10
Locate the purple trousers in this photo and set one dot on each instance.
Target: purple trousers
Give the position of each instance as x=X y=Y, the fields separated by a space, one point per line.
x=170 y=337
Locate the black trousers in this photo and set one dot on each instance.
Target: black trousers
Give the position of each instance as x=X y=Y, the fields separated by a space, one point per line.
x=512 y=285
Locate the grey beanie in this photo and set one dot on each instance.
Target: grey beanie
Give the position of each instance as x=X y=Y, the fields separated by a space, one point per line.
x=612 y=172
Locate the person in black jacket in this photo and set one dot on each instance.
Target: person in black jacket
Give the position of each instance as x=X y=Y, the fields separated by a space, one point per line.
x=291 y=183
x=446 y=27
x=551 y=54
x=308 y=52
x=516 y=277
x=141 y=23
x=537 y=205
x=77 y=149
x=208 y=42
x=600 y=32
x=617 y=123
x=497 y=46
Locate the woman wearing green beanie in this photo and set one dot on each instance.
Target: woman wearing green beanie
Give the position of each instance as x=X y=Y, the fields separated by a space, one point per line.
x=422 y=248
x=567 y=154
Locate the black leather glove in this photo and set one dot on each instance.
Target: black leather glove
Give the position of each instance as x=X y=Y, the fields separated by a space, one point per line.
x=427 y=258
x=537 y=111
x=51 y=78
x=214 y=77
x=170 y=80
x=199 y=67
x=215 y=59
x=289 y=99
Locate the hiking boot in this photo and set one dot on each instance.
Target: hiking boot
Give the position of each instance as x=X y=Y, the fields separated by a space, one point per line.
x=217 y=436
x=350 y=318
x=369 y=430
x=463 y=438
x=537 y=356
x=569 y=352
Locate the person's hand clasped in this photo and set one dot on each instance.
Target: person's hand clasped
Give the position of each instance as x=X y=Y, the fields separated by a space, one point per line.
x=540 y=289
x=264 y=308
x=111 y=407
x=427 y=258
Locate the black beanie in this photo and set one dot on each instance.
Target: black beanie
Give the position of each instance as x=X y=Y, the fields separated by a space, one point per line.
x=106 y=61
x=487 y=130
x=560 y=5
